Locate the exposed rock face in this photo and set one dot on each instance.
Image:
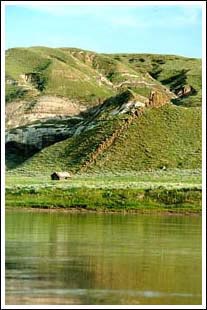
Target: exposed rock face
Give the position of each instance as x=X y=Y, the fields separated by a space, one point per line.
x=105 y=144
x=20 y=113
x=185 y=91
x=42 y=134
x=65 y=120
x=157 y=99
x=130 y=105
x=11 y=82
x=28 y=78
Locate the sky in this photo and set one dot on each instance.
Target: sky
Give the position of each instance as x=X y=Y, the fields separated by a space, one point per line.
x=163 y=29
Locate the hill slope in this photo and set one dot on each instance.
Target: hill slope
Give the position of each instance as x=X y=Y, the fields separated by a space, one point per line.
x=68 y=77
x=168 y=136
x=181 y=75
x=77 y=110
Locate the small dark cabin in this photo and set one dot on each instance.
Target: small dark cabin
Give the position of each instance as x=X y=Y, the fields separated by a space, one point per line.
x=60 y=175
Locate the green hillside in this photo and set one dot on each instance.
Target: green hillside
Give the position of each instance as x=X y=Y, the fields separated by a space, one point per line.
x=169 y=136
x=172 y=71
x=111 y=134
x=91 y=77
x=166 y=137
x=55 y=72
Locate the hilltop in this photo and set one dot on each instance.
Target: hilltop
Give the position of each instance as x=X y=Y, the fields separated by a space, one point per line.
x=80 y=111
x=42 y=82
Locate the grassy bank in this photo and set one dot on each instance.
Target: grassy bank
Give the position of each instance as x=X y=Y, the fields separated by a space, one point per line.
x=143 y=200
x=172 y=191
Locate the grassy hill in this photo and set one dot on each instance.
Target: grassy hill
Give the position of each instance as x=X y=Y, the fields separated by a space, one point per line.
x=169 y=136
x=166 y=137
x=109 y=137
x=55 y=71
x=91 y=77
x=172 y=71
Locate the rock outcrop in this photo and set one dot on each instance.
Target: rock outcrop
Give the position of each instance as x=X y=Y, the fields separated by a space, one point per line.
x=185 y=90
x=108 y=142
x=43 y=134
x=11 y=82
x=20 y=113
x=157 y=99
x=135 y=105
x=64 y=119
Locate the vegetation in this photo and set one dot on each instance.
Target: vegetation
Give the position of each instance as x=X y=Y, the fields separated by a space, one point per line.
x=56 y=72
x=119 y=160
x=172 y=191
x=167 y=137
x=172 y=71
x=187 y=200
x=171 y=178
x=14 y=92
x=79 y=74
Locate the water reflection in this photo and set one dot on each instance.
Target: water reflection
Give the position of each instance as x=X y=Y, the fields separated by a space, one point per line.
x=60 y=258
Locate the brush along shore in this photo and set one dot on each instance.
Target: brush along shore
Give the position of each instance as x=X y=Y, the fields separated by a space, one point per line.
x=171 y=191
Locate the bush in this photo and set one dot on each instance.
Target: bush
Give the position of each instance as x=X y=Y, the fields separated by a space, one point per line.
x=14 y=92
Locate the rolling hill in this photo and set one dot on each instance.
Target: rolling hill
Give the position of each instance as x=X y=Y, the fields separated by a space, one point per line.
x=76 y=110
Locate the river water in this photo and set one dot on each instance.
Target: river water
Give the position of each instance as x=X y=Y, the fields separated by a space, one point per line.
x=59 y=258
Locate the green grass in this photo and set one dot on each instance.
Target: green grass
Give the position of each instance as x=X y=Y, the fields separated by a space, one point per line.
x=64 y=75
x=70 y=153
x=169 y=136
x=14 y=92
x=156 y=191
x=21 y=61
x=172 y=71
x=174 y=178
x=176 y=200
x=75 y=73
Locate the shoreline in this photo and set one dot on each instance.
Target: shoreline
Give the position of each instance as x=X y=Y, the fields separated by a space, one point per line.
x=113 y=196
x=77 y=210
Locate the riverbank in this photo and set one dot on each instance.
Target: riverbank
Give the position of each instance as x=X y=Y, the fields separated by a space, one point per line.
x=185 y=200
x=78 y=210
x=145 y=192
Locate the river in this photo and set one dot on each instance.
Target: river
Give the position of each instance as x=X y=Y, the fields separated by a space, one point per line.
x=60 y=258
